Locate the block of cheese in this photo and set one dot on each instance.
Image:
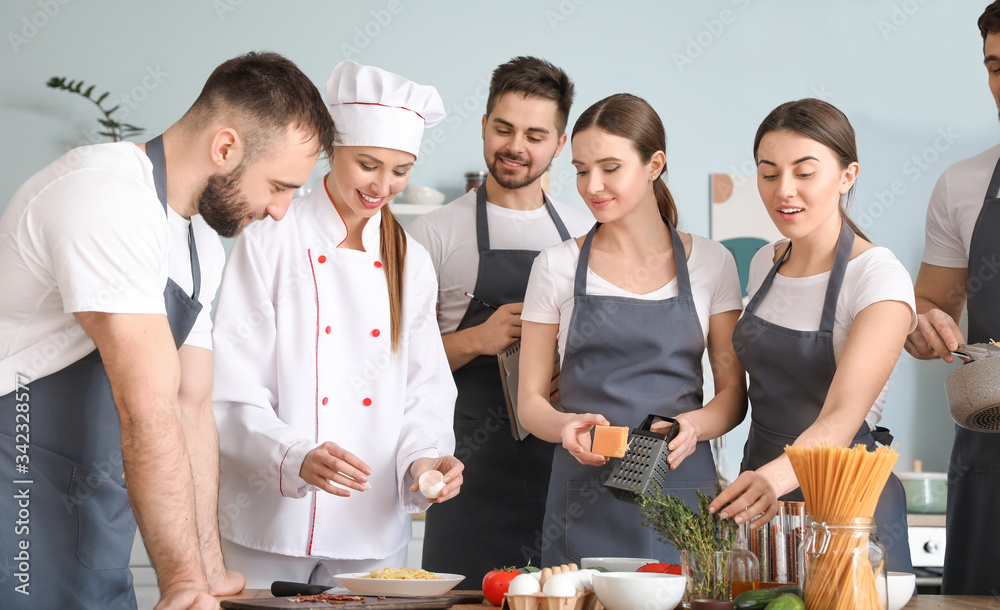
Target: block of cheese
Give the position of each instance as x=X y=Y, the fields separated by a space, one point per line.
x=610 y=441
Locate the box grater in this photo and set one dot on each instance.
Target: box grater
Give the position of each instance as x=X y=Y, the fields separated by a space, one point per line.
x=645 y=461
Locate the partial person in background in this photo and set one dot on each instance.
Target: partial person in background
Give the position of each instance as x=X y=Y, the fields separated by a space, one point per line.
x=333 y=392
x=115 y=246
x=484 y=243
x=826 y=322
x=959 y=271
x=631 y=309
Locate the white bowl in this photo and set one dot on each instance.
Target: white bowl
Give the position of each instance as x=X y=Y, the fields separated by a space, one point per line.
x=639 y=590
x=420 y=194
x=901 y=586
x=616 y=564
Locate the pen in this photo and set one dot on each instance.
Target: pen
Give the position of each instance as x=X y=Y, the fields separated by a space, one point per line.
x=478 y=300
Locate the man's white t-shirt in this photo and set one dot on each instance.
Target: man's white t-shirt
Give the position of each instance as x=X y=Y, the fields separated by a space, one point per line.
x=954 y=208
x=449 y=235
x=715 y=285
x=797 y=302
x=87 y=233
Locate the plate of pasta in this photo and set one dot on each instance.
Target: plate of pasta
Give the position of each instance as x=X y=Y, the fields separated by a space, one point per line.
x=400 y=581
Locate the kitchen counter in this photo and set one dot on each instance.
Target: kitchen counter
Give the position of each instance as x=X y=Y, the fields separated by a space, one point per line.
x=921 y=602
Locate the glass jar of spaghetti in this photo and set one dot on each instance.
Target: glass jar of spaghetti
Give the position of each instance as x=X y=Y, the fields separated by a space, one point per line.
x=844 y=564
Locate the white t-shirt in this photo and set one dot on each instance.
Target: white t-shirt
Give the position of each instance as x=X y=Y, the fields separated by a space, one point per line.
x=715 y=285
x=87 y=233
x=797 y=302
x=954 y=207
x=449 y=235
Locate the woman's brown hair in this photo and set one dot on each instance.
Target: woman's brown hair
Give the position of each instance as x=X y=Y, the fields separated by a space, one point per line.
x=824 y=123
x=393 y=252
x=632 y=118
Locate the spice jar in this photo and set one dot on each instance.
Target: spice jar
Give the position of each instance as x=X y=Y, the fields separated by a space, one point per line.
x=474 y=179
x=845 y=564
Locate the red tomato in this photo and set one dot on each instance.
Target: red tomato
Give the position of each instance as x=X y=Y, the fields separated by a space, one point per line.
x=664 y=568
x=496 y=583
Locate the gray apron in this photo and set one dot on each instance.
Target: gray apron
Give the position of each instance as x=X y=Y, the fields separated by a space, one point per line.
x=496 y=519
x=790 y=375
x=81 y=527
x=970 y=565
x=624 y=358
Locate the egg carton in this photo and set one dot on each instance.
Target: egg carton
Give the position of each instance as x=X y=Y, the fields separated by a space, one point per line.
x=540 y=601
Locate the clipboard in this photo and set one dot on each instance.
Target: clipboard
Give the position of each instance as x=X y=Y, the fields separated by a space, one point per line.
x=509 y=360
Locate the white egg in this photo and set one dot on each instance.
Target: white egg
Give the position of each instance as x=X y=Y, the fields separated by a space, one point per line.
x=523 y=584
x=431 y=483
x=560 y=585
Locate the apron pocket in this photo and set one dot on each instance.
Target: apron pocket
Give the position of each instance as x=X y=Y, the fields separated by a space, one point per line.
x=105 y=520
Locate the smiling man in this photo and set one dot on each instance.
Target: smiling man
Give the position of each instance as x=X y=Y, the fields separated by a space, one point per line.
x=959 y=272
x=484 y=243
x=116 y=247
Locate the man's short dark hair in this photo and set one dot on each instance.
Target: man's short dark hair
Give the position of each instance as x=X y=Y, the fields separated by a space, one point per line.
x=989 y=21
x=263 y=94
x=533 y=77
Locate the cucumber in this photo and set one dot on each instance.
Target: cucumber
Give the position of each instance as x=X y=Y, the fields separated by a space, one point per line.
x=758 y=599
x=788 y=601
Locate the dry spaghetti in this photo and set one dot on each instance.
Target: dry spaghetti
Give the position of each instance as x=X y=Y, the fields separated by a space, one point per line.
x=841 y=488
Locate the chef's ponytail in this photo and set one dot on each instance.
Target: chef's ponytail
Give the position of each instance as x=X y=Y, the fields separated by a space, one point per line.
x=632 y=118
x=393 y=252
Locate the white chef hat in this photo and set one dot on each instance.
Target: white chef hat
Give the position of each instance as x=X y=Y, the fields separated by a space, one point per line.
x=373 y=107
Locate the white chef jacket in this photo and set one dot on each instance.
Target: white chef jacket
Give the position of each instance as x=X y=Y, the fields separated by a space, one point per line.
x=303 y=356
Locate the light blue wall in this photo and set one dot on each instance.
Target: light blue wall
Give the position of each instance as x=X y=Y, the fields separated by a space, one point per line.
x=904 y=71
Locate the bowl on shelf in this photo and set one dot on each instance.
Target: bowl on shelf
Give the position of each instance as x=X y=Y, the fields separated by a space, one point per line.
x=926 y=492
x=421 y=195
x=615 y=564
x=639 y=590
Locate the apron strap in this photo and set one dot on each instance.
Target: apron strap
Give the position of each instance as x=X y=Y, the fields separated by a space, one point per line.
x=483 y=225
x=993 y=190
x=768 y=280
x=843 y=256
x=680 y=262
x=154 y=150
x=563 y=233
x=580 y=283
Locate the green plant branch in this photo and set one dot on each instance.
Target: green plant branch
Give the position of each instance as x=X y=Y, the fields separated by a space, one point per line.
x=112 y=128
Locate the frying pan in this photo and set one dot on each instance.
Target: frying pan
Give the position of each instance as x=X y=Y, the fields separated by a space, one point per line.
x=973 y=391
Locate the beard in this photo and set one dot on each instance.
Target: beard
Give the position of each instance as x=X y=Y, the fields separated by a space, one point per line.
x=500 y=174
x=222 y=205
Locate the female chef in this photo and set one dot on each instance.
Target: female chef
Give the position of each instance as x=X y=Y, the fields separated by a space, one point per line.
x=631 y=307
x=332 y=390
x=827 y=318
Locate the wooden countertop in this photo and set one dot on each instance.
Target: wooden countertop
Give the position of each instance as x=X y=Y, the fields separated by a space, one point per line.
x=920 y=602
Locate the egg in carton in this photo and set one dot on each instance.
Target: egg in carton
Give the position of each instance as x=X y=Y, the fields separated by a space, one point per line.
x=562 y=587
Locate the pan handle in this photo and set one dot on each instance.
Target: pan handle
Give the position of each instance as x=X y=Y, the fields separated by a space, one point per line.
x=284 y=588
x=671 y=432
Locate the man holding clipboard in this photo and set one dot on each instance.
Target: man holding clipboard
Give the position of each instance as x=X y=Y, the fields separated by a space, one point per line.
x=484 y=243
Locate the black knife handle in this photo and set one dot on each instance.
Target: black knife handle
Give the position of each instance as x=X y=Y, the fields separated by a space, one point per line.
x=284 y=588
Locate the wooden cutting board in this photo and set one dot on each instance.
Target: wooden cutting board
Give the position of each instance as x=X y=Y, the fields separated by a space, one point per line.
x=389 y=603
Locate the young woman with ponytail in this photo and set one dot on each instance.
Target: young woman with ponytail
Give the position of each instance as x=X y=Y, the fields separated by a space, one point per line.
x=333 y=393
x=632 y=307
x=828 y=315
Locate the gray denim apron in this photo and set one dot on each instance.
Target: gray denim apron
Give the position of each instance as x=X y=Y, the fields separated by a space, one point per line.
x=790 y=375
x=496 y=519
x=970 y=563
x=625 y=358
x=81 y=527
